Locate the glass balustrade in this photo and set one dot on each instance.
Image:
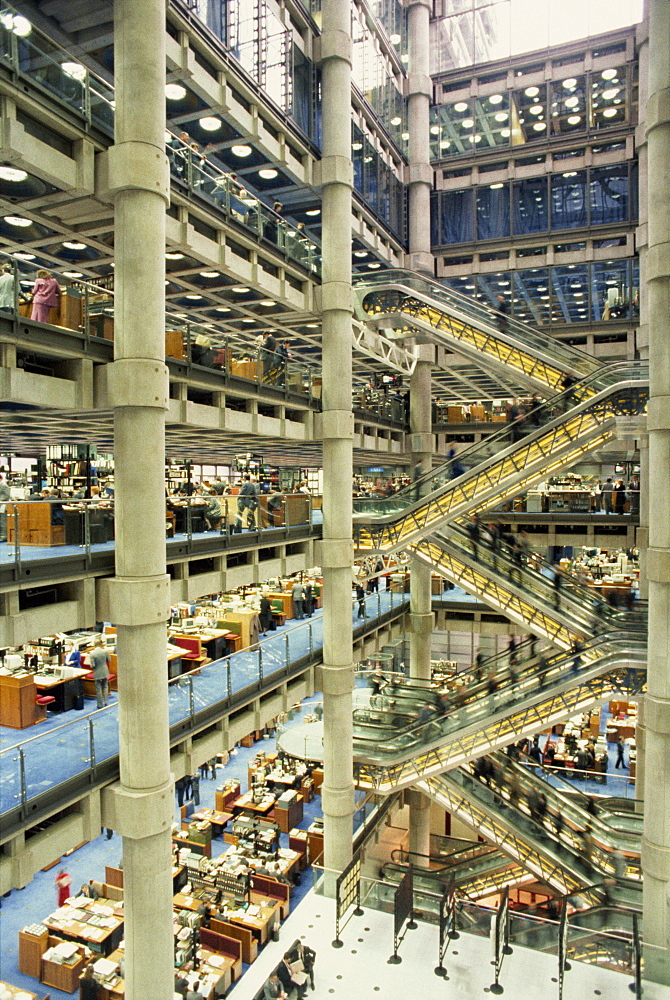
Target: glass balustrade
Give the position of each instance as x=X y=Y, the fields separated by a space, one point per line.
x=82 y=745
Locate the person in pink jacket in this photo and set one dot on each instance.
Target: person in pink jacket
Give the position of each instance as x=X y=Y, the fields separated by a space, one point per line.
x=45 y=295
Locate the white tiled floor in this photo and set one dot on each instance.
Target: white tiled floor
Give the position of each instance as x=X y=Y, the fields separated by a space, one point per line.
x=360 y=969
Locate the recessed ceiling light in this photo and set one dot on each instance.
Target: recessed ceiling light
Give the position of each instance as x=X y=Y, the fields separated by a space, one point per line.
x=73 y=274
x=461 y=106
x=574 y=119
x=609 y=112
x=192 y=295
x=467 y=122
x=18 y=220
x=540 y=126
x=475 y=138
x=222 y=309
x=494 y=187
x=434 y=129
x=74 y=70
x=608 y=74
x=210 y=124
x=536 y=109
x=360 y=253
x=311 y=326
x=248 y=320
x=267 y=302
x=357 y=145
x=209 y=274
x=570 y=84
x=532 y=91
x=609 y=95
x=268 y=173
x=73 y=245
x=13 y=174
x=505 y=133
x=404 y=57
x=241 y=151
x=445 y=144
x=395 y=39
x=174 y=256
x=396 y=120
x=240 y=289
x=501 y=116
x=570 y=173
x=174 y=91
x=373 y=267
x=495 y=98
x=20 y=255
x=572 y=102
x=314 y=211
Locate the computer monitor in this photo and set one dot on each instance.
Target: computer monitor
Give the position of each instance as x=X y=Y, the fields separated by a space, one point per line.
x=110 y=640
x=188 y=623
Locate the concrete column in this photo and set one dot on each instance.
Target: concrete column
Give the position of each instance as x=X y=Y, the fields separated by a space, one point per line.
x=419 y=828
x=656 y=837
x=642 y=335
x=337 y=433
x=141 y=806
x=420 y=91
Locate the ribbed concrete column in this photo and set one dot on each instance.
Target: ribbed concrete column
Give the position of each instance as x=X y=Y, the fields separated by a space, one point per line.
x=137 y=599
x=337 y=433
x=656 y=838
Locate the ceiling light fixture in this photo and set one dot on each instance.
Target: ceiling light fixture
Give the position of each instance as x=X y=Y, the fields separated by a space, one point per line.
x=241 y=151
x=467 y=122
x=536 y=109
x=210 y=124
x=505 y=133
x=540 y=126
x=267 y=302
x=268 y=173
x=532 y=91
x=209 y=274
x=460 y=107
x=373 y=267
x=240 y=289
x=193 y=296
x=570 y=83
x=609 y=95
x=73 y=274
x=360 y=253
x=20 y=255
x=314 y=211
x=175 y=91
x=495 y=187
x=610 y=112
x=74 y=70
x=396 y=120
x=18 y=220
x=502 y=116
x=174 y=256
x=13 y=174
x=495 y=99
x=574 y=119
x=248 y=319
x=434 y=129
x=73 y=245
x=608 y=74
x=572 y=102
x=222 y=309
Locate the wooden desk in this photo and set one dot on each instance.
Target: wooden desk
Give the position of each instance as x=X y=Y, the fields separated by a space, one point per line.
x=219 y=820
x=33 y=522
x=245 y=620
x=18 y=708
x=242 y=934
x=63 y=689
x=68 y=925
x=287 y=818
x=286 y=602
x=245 y=804
x=64 y=976
x=193 y=845
x=225 y=796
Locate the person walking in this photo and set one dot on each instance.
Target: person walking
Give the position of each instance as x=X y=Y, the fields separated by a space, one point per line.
x=620 y=762
x=558 y=583
x=7 y=288
x=99 y=659
x=63 y=881
x=473 y=528
x=360 y=597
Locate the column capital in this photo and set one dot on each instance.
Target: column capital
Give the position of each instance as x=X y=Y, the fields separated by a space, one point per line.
x=655 y=860
x=337 y=801
x=335 y=553
x=418 y=84
x=138 y=382
x=138 y=814
x=129 y=601
x=334 y=44
x=135 y=166
x=657 y=714
x=422 y=623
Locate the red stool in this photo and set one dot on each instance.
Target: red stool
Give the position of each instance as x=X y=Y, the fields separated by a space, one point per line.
x=42 y=701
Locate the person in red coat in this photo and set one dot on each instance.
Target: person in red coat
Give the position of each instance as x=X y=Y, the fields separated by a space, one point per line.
x=63 y=883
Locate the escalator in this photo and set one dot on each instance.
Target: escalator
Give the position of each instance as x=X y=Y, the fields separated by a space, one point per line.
x=476 y=871
x=413 y=305
x=565 y=864
x=558 y=433
x=522 y=589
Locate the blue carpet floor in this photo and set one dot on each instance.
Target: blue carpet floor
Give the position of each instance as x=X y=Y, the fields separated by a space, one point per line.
x=60 y=748
x=38 y=899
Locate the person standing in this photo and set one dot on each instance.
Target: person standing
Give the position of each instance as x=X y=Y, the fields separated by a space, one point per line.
x=88 y=985
x=63 y=881
x=7 y=288
x=180 y=788
x=619 y=496
x=265 y=614
x=45 y=295
x=298 y=598
x=473 y=531
x=620 y=762
x=213 y=511
x=502 y=311
x=309 y=600
x=360 y=597
x=303 y=953
x=268 y=355
x=99 y=659
x=607 y=489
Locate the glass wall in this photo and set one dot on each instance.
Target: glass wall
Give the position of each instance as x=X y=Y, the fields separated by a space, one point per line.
x=374 y=76
x=532 y=113
x=376 y=183
x=572 y=199
x=567 y=293
x=479 y=31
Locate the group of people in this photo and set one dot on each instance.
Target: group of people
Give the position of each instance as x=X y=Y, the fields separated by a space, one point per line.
x=499 y=539
x=614 y=495
x=274 y=357
x=44 y=295
x=295 y=971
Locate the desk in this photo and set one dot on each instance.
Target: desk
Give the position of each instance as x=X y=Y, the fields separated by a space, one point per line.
x=218 y=820
x=286 y=817
x=64 y=975
x=261 y=924
x=63 y=689
x=71 y=922
x=245 y=804
x=18 y=708
x=34 y=523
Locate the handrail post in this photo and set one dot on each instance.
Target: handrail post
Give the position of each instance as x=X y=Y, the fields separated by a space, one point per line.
x=22 y=778
x=91 y=747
